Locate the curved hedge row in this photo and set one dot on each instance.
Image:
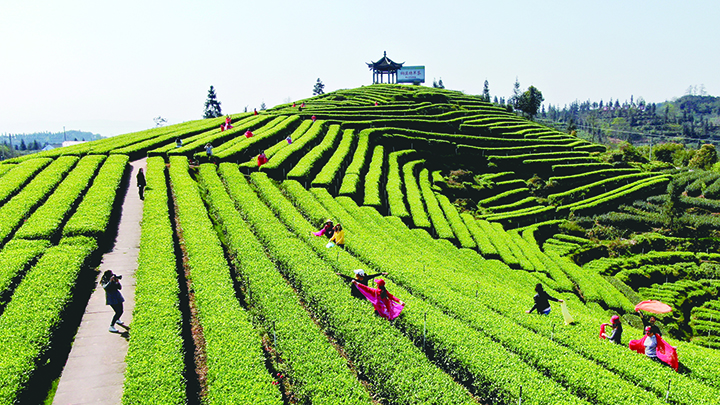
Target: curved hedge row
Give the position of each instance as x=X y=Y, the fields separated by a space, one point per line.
x=236 y=371
x=307 y=165
x=374 y=178
x=333 y=166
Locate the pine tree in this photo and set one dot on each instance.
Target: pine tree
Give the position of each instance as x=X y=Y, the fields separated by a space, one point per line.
x=319 y=88
x=212 y=106
x=486 y=91
x=515 y=98
x=440 y=84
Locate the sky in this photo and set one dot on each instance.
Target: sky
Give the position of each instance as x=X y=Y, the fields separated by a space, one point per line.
x=111 y=67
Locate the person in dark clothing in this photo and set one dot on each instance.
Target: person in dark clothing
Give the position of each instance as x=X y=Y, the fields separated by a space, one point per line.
x=616 y=335
x=649 y=321
x=141 y=183
x=111 y=284
x=542 y=304
x=361 y=278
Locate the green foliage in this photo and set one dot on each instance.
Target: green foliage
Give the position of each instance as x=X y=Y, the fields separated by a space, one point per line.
x=705 y=158
x=236 y=370
x=212 y=106
x=93 y=214
x=155 y=358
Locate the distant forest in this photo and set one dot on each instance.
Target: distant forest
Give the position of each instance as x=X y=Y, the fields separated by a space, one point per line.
x=39 y=140
x=691 y=120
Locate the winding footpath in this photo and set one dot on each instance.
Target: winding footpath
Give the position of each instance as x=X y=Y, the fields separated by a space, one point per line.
x=95 y=369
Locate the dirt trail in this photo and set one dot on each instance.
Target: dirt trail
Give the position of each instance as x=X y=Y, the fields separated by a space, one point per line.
x=94 y=370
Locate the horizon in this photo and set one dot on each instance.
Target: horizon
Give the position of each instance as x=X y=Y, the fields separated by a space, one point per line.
x=110 y=70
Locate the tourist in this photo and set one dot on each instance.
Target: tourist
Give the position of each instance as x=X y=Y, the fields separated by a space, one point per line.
x=111 y=284
x=313 y=118
x=326 y=230
x=361 y=278
x=289 y=139
x=649 y=321
x=208 y=150
x=141 y=183
x=178 y=143
x=616 y=335
x=248 y=134
x=541 y=301
x=338 y=237
x=262 y=158
x=655 y=348
x=386 y=305
x=254 y=111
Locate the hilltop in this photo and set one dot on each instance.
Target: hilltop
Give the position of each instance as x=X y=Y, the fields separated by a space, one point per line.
x=465 y=205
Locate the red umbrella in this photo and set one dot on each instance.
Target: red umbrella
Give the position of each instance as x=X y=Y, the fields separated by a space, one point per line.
x=653 y=306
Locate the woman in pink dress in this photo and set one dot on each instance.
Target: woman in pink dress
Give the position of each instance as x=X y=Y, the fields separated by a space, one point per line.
x=386 y=305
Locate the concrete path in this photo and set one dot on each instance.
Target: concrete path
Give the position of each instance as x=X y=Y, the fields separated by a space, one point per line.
x=94 y=370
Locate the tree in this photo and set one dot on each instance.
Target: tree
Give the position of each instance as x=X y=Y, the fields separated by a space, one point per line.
x=319 y=88
x=486 y=91
x=440 y=84
x=22 y=145
x=515 y=98
x=705 y=158
x=263 y=107
x=529 y=102
x=212 y=106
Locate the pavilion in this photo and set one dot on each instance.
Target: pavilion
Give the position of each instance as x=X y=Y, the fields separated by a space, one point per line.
x=385 y=66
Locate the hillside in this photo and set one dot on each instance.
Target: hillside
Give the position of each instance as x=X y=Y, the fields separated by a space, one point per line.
x=687 y=120
x=465 y=206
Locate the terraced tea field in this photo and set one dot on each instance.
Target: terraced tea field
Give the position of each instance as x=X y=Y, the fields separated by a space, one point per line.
x=465 y=206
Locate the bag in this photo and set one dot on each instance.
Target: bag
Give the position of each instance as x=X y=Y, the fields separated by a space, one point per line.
x=566 y=314
x=329 y=245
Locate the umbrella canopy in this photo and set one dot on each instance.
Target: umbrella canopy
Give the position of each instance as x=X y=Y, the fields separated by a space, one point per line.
x=653 y=306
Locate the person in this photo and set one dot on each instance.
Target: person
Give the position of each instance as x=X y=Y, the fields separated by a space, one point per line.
x=262 y=158
x=289 y=139
x=141 y=183
x=302 y=105
x=361 y=278
x=655 y=348
x=338 y=236
x=248 y=134
x=208 y=149
x=254 y=111
x=326 y=230
x=386 y=305
x=111 y=284
x=313 y=118
x=616 y=335
x=541 y=301
x=178 y=143
x=293 y=104
x=649 y=321
x=376 y=104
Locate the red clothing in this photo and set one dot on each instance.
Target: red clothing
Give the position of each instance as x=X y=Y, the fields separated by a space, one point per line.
x=262 y=159
x=248 y=134
x=665 y=352
x=313 y=118
x=388 y=307
x=255 y=112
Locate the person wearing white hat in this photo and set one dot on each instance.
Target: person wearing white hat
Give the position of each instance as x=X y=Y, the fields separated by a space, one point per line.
x=361 y=278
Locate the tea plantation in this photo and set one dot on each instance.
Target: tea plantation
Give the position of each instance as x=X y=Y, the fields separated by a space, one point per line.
x=465 y=205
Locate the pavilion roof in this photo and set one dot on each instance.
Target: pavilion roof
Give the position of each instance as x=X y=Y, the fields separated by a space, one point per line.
x=385 y=63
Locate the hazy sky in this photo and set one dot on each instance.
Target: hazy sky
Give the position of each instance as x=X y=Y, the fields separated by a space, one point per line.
x=111 y=67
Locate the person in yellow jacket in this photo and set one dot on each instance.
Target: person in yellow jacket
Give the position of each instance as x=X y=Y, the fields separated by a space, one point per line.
x=338 y=236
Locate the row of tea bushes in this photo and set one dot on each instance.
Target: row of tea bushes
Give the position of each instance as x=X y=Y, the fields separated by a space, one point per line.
x=21 y=206
x=155 y=359
x=28 y=324
x=46 y=221
x=319 y=374
x=236 y=371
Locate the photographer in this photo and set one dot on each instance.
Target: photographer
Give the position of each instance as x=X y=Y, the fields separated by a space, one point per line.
x=111 y=284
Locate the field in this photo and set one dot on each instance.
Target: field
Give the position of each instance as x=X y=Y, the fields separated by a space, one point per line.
x=465 y=205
